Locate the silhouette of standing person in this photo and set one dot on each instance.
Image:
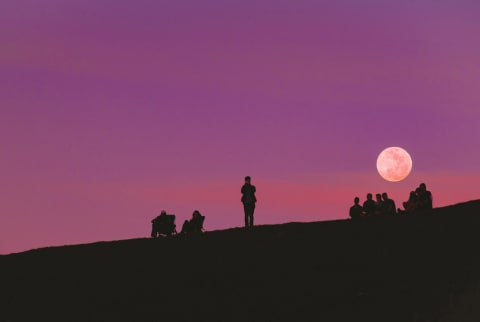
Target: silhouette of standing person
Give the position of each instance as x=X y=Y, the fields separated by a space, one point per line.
x=248 y=199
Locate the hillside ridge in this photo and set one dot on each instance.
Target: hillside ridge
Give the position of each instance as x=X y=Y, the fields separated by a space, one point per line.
x=405 y=268
x=458 y=207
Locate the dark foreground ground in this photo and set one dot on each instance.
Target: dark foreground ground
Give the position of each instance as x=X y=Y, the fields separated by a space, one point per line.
x=407 y=268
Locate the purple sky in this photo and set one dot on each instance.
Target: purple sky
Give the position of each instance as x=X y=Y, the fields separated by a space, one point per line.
x=111 y=111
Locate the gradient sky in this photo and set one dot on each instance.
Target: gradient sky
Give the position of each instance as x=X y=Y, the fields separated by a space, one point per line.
x=111 y=111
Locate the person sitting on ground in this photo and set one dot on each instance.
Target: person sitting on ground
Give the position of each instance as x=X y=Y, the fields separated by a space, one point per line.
x=424 y=198
x=411 y=204
x=378 y=205
x=388 y=206
x=368 y=206
x=195 y=225
x=356 y=209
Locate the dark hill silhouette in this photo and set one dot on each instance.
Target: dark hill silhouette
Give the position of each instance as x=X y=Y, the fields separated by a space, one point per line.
x=405 y=268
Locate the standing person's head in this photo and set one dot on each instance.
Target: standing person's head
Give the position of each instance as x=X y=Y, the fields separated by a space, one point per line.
x=356 y=200
x=384 y=196
x=248 y=179
x=378 y=197
x=369 y=196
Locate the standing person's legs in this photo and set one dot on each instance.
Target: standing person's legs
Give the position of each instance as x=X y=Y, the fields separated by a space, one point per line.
x=245 y=210
x=249 y=209
x=252 y=210
x=251 y=218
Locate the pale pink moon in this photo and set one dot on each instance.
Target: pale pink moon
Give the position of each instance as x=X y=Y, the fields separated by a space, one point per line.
x=394 y=164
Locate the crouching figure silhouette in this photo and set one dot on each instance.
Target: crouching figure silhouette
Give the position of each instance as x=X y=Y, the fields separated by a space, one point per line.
x=163 y=225
x=195 y=225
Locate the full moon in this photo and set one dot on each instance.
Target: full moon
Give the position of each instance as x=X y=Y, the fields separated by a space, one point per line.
x=394 y=164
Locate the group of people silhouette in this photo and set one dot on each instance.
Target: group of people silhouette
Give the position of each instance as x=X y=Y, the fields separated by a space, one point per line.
x=419 y=200
x=164 y=224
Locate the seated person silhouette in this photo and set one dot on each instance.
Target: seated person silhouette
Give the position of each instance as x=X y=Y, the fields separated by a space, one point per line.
x=163 y=225
x=388 y=206
x=195 y=225
x=378 y=205
x=356 y=210
x=424 y=198
x=411 y=204
x=369 y=206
